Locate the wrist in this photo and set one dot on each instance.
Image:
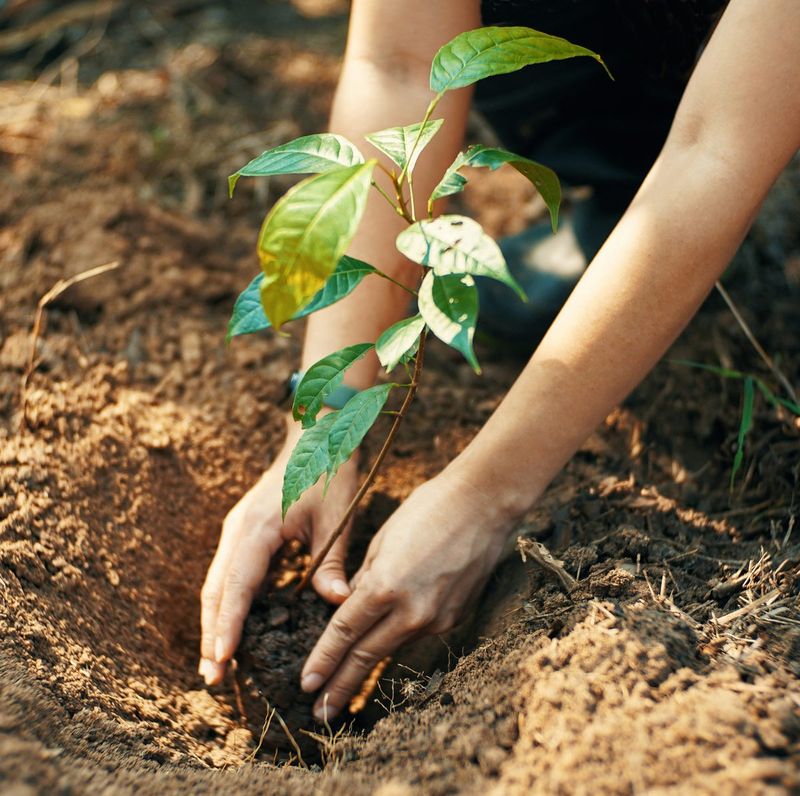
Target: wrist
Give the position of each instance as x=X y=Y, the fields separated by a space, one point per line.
x=503 y=505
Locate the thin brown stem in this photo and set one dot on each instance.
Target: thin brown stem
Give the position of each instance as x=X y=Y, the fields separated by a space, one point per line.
x=401 y=202
x=776 y=371
x=358 y=497
x=387 y=198
x=54 y=292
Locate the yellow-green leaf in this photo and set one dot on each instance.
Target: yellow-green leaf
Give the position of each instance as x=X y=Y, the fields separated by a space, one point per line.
x=405 y=144
x=304 y=236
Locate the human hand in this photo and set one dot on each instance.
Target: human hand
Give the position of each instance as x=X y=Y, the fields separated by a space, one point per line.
x=252 y=533
x=423 y=566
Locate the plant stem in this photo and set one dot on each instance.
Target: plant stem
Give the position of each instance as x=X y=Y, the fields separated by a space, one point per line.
x=387 y=198
x=433 y=103
x=388 y=278
x=401 y=201
x=358 y=497
x=776 y=371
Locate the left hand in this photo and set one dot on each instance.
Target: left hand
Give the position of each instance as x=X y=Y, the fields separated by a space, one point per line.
x=421 y=569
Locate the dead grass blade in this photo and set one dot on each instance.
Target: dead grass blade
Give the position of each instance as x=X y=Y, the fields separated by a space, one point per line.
x=53 y=293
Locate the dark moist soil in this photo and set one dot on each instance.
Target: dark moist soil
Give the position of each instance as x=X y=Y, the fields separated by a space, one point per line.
x=145 y=429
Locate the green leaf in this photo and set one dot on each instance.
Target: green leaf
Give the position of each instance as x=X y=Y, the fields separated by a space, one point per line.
x=396 y=342
x=353 y=421
x=452 y=181
x=311 y=154
x=745 y=425
x=480 y=53
x=456 y=245
x=248 y=314
x=398 y=143
x=307 y=462
x=544 y=179
x=305 y=235
x=321 y=379
x=449 y=305
x=478 y=156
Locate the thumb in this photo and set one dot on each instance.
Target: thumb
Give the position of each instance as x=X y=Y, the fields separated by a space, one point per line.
x=330 y=580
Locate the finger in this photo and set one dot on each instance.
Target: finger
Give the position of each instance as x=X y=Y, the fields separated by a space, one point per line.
x=330 y=580
x=246 y=568
x=353 y=619
x=381 y=641
x=210 y=596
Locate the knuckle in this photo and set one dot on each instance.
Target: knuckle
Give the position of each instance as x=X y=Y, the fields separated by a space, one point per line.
x=342 y=629
x=238 y=583
x=443 y=624
x=419 y=617
x=364 y=659
x=383 y=595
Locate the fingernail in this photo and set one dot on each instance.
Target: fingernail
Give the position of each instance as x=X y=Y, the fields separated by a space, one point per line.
x=341 y=588
x=311 y=682
x=219 y=650
x=207 y=671
x=325 y=712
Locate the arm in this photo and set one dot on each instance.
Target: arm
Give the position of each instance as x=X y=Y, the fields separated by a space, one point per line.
x=384 y=83
x=737 y=127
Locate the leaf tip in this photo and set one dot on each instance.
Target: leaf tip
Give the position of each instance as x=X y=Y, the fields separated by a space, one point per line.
x=603 y=64
x=232 y=180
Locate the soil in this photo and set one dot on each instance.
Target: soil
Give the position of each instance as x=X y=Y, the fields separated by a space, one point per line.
x=672 y=666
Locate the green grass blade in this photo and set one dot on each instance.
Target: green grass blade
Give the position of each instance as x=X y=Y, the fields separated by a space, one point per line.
x=745 y=424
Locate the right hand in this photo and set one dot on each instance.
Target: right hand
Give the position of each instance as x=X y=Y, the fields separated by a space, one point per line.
x=252 y=533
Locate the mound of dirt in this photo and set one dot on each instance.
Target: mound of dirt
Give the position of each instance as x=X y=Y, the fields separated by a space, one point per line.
x=671 y=666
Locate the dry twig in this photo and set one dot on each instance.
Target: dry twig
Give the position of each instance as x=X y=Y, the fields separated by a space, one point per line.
x=542 y=556
x=289 y=735
x=53 y=293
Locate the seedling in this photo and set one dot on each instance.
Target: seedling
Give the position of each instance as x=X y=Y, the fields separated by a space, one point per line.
x=304 y=267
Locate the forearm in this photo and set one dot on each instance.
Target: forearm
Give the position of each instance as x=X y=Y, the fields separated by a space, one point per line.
x=735 y=130
x=366 y=101
x=638 y=294
x=384 y=83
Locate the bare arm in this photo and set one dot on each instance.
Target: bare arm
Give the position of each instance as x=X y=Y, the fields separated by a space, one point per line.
x=384 y=83
x=737 y=127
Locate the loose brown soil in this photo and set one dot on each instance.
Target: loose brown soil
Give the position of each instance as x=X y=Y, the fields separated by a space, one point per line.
x=144 y=429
